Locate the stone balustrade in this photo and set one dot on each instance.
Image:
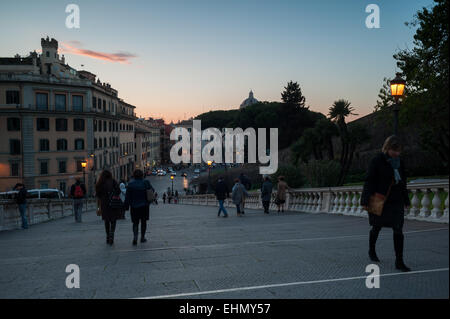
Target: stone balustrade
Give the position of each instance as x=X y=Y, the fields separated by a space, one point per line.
x=429 y=201
x=38 y=211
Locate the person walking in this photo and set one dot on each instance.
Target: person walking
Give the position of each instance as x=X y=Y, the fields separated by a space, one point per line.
x=238 y=195
x=107 y=191
x=222 y=193
x=176 y=197
x=164 y=198
x=156 y=198
x=123 y=192
x=247 y=185
x=136 y=199
x=266 y=193
x=281 y=193
x=78 y=192
x=386 y=176
x=21 y=200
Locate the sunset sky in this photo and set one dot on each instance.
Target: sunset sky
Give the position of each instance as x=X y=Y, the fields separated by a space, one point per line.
x=176 y=59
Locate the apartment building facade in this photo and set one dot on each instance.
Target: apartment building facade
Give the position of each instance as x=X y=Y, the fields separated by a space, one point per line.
x=54 y=120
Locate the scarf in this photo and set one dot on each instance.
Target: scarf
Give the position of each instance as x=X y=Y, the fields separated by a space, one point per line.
x=395 y=164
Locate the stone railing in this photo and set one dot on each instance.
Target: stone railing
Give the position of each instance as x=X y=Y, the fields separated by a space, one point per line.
x=38 y=211
x=429 y=201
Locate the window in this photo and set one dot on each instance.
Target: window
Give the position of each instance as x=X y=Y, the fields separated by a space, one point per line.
x=42 y=124
x=61 y=144
x=13 y=124
x=44 y=145
x=60 y=102
x=94 y=102
x=104 y=142
x=109 y=126
x=44 y=168
x=14 y=169
x=100 y=141
x=12 y=97
x=78 y=125
x=95 y=143
x=62 y=167
x=61 y=124
x=95 y=125
x=104 y=106
x=99 y=104
x=77 y=103
x=14 y=147
x=100 y=125
x=79 y=144
x=42 y=101
x=104 y=126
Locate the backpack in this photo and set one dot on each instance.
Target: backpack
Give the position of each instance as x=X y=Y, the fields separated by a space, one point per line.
x=78 y=192
x=114 y=201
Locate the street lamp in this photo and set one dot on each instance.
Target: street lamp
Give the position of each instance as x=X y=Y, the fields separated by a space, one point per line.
x=172 y=177
x=83 y=165
x=209 y=176
x=397 y=91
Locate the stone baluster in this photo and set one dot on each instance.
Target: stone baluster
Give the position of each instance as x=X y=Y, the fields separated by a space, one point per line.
x=341 y=208
x=415 y=202
x=436 y=212
x=334 y=202
x=319 y=202
x=425 y=210
x=445 y=214
x=347 y=203
x=354 y=209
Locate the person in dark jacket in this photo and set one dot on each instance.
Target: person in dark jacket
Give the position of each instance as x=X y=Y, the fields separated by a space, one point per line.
x=21 y=200
x=387 y=176
x=78 y=192
x=222 y=193
x=266 y=193
x=136 y=198
x=106 y=187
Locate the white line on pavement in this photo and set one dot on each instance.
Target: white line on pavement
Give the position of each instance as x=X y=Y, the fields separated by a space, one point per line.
x=265 y=242
x=288 y=284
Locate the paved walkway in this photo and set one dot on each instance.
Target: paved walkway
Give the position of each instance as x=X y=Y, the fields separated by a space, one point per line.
x=193 y=254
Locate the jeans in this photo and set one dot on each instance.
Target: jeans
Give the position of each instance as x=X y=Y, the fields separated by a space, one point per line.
x=23 y=215
x=77 y=209
x=238 y=208
x=222 y=208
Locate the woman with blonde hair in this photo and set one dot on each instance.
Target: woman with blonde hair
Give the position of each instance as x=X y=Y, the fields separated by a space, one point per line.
x=386 y=178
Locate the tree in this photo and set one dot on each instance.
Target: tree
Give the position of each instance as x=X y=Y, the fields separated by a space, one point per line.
x=426 y=70
x=337 y=113
x=292 y=95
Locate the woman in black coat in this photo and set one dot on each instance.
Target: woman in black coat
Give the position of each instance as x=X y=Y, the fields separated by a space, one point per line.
x=105 y=186
x=387 y=175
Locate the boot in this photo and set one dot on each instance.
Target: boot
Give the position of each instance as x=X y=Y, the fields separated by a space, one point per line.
x=398 y=246
x=107 y=230
x=111 y=233
x=135 y=233
x=373 y=236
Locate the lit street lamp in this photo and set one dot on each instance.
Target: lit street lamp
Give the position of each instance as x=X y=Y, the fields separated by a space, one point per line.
x=397 y=91
x=209 y=176
x=172 y=177
x=83 y=165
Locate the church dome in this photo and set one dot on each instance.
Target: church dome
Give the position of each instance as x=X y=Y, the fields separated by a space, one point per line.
x=249 y=101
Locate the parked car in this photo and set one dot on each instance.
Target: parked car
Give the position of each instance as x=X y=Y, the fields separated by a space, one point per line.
x=35 y=193
x=184 y=174
x=197 y=171
x=173 y=173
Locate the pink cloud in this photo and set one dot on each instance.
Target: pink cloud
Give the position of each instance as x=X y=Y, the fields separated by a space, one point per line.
x=121 y=57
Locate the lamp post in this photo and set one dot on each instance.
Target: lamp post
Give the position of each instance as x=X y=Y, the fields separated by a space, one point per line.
x=83 y=165
x=172 y=177
x=397 y=90
x=209 y=176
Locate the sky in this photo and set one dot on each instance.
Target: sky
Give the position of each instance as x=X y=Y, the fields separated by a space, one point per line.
x=176 y=59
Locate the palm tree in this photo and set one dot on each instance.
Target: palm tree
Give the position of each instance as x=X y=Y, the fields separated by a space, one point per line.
x=337 y=113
